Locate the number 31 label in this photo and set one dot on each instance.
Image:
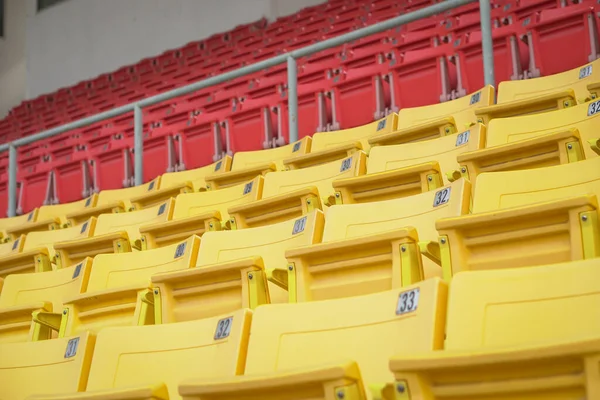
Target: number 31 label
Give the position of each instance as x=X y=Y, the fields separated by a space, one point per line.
x=407 y=302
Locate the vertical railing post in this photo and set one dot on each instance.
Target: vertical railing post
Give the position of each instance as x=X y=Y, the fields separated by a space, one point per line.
x=486 y=42
x=138 y=139
x=12 y=180
x=292 y=78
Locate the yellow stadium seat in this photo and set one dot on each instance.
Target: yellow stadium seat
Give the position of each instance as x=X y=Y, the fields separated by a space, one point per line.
x=410 y=168
x=537 y=140
x=231 y=270
x=525 y=218
x=47 y=366
x=208 y=348
x=16 y=246
x=196 y=213
x=290 y=194
x=335 y=145
x=373 y=247
x=117 y=232
x=520 y=333
x=113 y=201
x=118 y=288
x=51 y=217
x=174 y=183
x=437 y=120
x=334 y=349
x=38 y=295
x=38 y=251
x=12 y=222
x=249 y=164
x=547 y=93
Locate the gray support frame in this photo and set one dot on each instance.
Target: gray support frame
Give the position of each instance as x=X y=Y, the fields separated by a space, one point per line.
x=292 y=79
x=138 y=144
x=290 y=58
x=486 y=42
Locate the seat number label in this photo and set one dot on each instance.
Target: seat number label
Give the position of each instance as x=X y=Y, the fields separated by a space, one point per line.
x=296 y=147
x=218 y=166
x=223 y=328
x=77 y=271
x=585 y=71
x=83 y=227
x=381 y=125
x=346 y=164
x=88 y=201
x=462 y=138
x=180 y=250
x=162 y=208
x=72 y=348
x=594 y=108
x=248 y=187
x=441 y=197
x=151 y=186
x=299 y=226
x=15 y=244
x=475 y=98
x=407 y=302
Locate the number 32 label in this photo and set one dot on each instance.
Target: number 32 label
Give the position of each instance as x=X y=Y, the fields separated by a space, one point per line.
x=408 y=302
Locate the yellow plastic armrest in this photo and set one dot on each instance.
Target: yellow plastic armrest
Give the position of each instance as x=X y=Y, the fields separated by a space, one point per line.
x=551 y=368
x=158 y=196
x=545 y=102
x=10 y=315
x=167 y=232
x=48 y=224
x=230 y=178
x=353 y=253
x=72 y=251
x=272 y=209
x=106 y=295
x=429 y=130
x=323 y=156
x=34 y=260
x=593 y=87
x=395 y=183
x=431 y=250
x=77 y=217
x=524 y=152
x=595 y=145
x=530 y=211
x=341 y=380
x=210 y=272
x=155 y=392
x=51 y=320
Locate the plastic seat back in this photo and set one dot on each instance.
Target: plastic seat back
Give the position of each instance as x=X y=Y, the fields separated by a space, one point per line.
x=461 y=109
x=327 y=140
x=115 y=195
x=420 y=211
x=190 y=204
x=56 y=366
x=131 y=221
x=500 y=190
x=576 y=79
x=41 y=239
x=579 y=117
x=61 y=210
x=119 y=352
x=11 y=222
x=485 y=306
x=365 y=329
x=246 y=159
x=196 y=176
x=320 y=176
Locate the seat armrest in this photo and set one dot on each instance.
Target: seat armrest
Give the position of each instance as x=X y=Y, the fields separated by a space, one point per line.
x=154 y=392
x=551 y=368
x=429 y=130
x=364 y=264
x=21 y=317
x=78 y=217
x=276 y=208
x=73 y=251
x=168 y=232
x=15 y=232
x=340 y=380
x=595 y=145
x=234 y=282
x=34 y=260
x=323 y=156
x=230 y=178
x=158 y=196
x=386 y=185
x=563 y=146
x=544 y=102
x=541 y=233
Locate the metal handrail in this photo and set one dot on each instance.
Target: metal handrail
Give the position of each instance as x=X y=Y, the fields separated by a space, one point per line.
x=290 y=58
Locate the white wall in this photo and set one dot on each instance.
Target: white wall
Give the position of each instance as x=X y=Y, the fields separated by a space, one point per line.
x=13 y=69
x=80 y=39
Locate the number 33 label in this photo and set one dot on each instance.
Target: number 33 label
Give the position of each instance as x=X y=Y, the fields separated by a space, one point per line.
x=408 y=301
